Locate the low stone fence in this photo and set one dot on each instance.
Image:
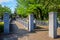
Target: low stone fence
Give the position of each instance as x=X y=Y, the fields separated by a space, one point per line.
x=23 y=21
x=45 y=23
x=42 y=23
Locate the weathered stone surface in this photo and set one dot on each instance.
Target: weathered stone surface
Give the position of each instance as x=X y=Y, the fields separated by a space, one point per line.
x=53 y=24
x=6 y=23
x=31 y=23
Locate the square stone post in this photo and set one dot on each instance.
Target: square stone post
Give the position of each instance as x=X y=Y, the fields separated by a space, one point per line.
x=53 y=24
x=31 y=23
x=6 y=23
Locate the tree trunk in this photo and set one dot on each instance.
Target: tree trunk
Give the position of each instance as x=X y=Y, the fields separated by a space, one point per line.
x=40 y=13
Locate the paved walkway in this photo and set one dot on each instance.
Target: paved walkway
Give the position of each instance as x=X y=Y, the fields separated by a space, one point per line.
x=20 y=33
x=39 y=34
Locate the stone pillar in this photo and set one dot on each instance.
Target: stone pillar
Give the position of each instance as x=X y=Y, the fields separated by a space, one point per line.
x=31 y=23
x=6 y=23
x=53 y=24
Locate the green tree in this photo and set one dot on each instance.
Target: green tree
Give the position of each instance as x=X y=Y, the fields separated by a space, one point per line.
x=3 y=10
x=40 y=8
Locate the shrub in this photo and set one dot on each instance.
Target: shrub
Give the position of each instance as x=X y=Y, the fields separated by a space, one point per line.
x=1 y=26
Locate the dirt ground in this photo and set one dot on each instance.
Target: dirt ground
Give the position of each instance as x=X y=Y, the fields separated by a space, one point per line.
x=40 y=33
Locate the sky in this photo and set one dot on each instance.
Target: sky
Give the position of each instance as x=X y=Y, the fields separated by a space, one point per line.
x=9 y=3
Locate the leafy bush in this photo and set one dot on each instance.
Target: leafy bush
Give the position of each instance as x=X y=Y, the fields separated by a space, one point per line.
x=1 y=26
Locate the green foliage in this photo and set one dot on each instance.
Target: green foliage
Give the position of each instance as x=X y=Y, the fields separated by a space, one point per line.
x=38 y=7
x=3 y=10
x=1 y=27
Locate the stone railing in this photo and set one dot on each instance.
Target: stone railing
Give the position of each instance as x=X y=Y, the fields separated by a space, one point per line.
x=45 y=23
x=42 y=23
x=23 y=21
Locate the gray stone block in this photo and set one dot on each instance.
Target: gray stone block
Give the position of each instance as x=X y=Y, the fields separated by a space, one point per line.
x=31 y=23
x=6 y=23
x=53 y=24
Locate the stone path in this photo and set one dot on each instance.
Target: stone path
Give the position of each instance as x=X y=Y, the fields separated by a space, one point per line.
x=40 y=33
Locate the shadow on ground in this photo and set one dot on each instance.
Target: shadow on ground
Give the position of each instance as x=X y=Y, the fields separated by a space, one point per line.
x=58 y=36
x=19 y=32
x=14 y=34
x=40 y=29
